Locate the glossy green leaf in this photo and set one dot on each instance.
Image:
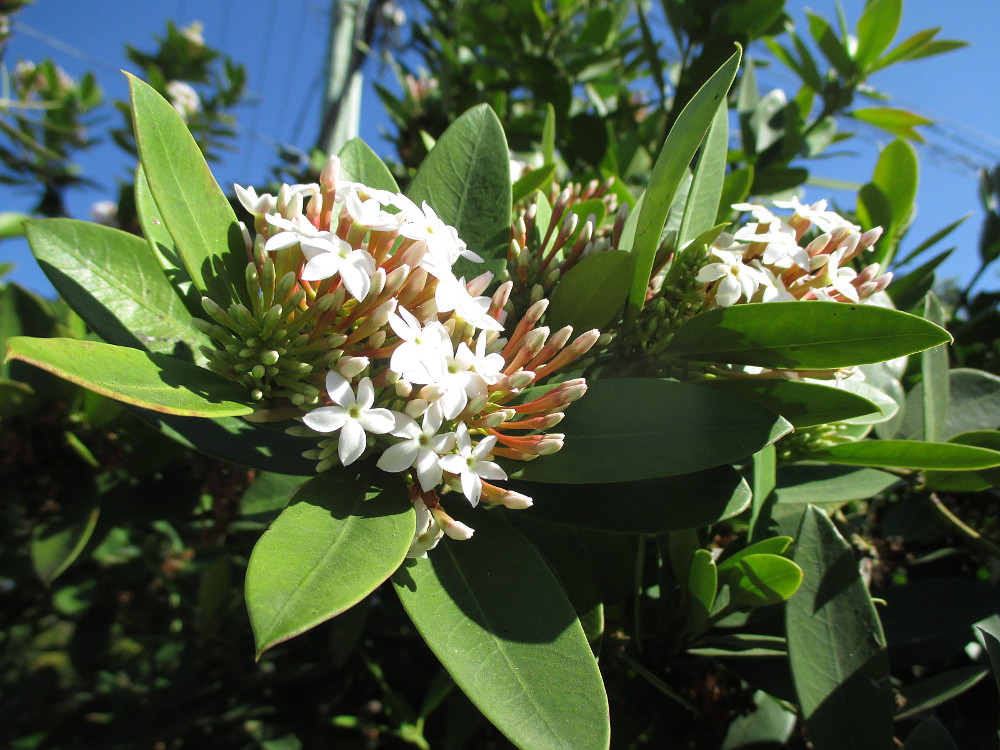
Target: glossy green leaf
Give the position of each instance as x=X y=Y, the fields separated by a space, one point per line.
x=933 y=691
x=741 y=645
x=511 y=642
x=702 y=583
x=906 y=49
x=835 y=645
x=769 y=724
x=968 y=481
x=654 y=506
x=153 y=381
x=344 y=533
x=909 y=454
x=162 y=244
x=676 y=154
x=802 y=484
x=549 y=135
x=756 y=579
x=802 y=404
x=702 y=204
x=114 y=282
x=466 y=180
x=895 y=179
x=269 y=494
x=907 y=290
x=803 y=335
x=57 y=542
x=833 y=49
x=876 y=29
x=775 y=545
x=194 y=210
x=627 y=429
x=592 y=293
x=930 y=734
x=973 y=404
x=358 y=163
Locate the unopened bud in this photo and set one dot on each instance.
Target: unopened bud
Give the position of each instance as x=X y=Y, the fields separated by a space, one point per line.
x=478 y=285
x=404 y=388
x=416 y=407
x=349 y=367
x=520 y=379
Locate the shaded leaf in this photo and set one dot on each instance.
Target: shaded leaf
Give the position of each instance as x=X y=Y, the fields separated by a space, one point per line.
x=802 y=484
x=802 y=404
x=592 y=293
x=930 y=734
x=342 y=536
x=57 y=542
x=908 y=454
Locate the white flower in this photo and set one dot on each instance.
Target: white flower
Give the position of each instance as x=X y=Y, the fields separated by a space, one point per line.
x=420 y=448
x=427 y=534
x=420 y=358
x=369 y=213
x=827 y=221
x=293 y=231
x=451 y=294
x=183 y=98
x=736 y=279
x=470 y=463
x=352 y=415
x=444 y=246
x=329 y=255
x=258 y=205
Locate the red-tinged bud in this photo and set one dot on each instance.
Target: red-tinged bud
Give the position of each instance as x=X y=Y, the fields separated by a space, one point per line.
x=452 y=528
x=867 y=274
x=850 y=247
x=818 y=245
x=479 y=284
x=869 y=238
x=541 y=422
x=551 y=444
x=494 y=495
x=562 y=394
x=502 y=451
x=882 y=281
x=331 y=172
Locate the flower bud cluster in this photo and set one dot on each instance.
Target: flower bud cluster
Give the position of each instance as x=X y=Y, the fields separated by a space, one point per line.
x=546 y=242
x=359 y=326
x=766 y=260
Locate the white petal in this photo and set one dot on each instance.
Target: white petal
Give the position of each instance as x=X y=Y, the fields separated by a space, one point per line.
x=377 y=421
x=339 y=389
x=489 y=470
x=472 y=486
x=323 y=266
x=366 y=393
x=399 y=457
x=325 y=418
x=428 y=469
x=453 y=463
x=352 y=442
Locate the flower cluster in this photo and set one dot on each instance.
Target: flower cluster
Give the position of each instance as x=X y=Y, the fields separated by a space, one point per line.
x=765 y=260
x=359 y=321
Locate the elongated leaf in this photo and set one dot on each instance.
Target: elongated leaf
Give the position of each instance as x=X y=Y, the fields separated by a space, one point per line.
x=678 y=150
x=534 y=180
x=895 y=179
x=653 y=506
x=968 y=481
x=342 y=536
x=775 y=545
x=709 y=175
x=934 y=368
x=876 y=28
x=194 y=209
x=57 y=542
x=909 y=454
x=908 y=290
x=803 y=484
x=802 y=404
x=466 y=180
x=358 y=163
x=112 y=280
x=973 y=404
x=898 y=122
x=805 y=335
x=835 y=645
x=632 y=429
x=702 y=583
x=930 y=734
x=592 y=293
x=833 y=49
x=508 y=636
x=924 y=695
x=153 y=381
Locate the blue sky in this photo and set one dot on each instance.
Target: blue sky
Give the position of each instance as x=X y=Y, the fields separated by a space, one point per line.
x=283 y=46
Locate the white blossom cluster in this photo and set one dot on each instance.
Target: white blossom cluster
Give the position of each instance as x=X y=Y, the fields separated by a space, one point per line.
x=765 y=260
x=420 y=372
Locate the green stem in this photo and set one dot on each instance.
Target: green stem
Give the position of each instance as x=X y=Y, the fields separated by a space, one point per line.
x=976 y=540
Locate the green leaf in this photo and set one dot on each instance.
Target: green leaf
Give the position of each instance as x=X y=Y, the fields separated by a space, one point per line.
x=269 y=494
x=835 y=645
x=653 y=506
x=57 y=542
x=532 y=181
x=926 y=694
x=802 y=404
x=973 y=404
x=769 y=724
x=627 y=429
x=876 y=29
x=833 y=49
x=906 y=49
x=508 y=636
x=906 y=291
x=162 y=244
x=967 y=481
x=898 y=122
x=943 y=629
x=112 y=280
x=908 y=454
x=345 y=532
x=930 y=734
x=154 y=381
x=676 y=154
x=709 y=175
x=735 y=189
x=755 y=580
x=775 y=545
x=195 y=211
x=358 y=163
x=702 y=583
x=466 y=180
x=895 y=178
x=549 y=135
x=592 y=293
x=810 y=335
x=934 y=368
x=802 y=484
